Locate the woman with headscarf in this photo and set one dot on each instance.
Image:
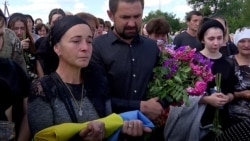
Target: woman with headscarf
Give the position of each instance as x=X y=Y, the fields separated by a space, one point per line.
x=63 y=95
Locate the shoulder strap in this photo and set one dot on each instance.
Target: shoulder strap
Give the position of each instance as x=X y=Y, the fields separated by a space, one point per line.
x=63 y=94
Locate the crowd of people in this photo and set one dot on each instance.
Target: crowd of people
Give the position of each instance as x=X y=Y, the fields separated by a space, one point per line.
x=79 y=68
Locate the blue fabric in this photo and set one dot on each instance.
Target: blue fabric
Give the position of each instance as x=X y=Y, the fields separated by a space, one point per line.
x=132 y=115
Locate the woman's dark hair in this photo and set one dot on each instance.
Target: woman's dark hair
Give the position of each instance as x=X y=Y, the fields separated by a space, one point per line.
x=40 y=26
x=55 y=11
x=20 y=17
x=30 y=17
x=38 y=20
x=207 y=23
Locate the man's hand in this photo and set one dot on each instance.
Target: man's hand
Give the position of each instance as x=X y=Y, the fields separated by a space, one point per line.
x=151 y=108
x=134 y=128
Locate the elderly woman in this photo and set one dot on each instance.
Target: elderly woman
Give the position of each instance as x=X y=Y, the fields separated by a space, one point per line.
x=239 y=109
x=63 y=96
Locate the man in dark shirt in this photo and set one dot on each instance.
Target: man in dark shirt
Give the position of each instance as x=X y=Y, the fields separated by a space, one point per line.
x=188 y=37
x=122 y=61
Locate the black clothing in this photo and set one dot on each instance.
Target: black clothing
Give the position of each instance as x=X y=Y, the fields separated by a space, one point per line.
x=240 y=108
x=5 y=98
x=51 y=103
x=184 y=39
x=18 y=81
x=125 y=68
x=46 y=56
x=229 y=49
x=225 y=66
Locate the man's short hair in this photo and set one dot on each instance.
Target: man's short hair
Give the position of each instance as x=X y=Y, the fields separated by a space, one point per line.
x=113 y=4
x=191 y=13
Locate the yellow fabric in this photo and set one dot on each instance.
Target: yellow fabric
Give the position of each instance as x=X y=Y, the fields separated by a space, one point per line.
x=65 y=131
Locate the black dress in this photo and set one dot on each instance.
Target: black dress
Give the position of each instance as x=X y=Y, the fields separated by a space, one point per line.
x=225 y=66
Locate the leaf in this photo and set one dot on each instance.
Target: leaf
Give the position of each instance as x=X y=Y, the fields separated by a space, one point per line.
x=187 y=69
x=177 y=78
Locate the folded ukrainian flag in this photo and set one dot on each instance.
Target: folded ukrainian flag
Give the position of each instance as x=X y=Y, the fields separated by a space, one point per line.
x=113 y=122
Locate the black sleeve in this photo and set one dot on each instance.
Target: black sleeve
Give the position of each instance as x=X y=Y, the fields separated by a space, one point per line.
x=233 y=48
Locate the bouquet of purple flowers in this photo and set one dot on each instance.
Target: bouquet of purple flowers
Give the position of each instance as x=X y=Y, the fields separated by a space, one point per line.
x=179 y=73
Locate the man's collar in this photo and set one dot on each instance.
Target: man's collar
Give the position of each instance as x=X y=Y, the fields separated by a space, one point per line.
x=113 y=37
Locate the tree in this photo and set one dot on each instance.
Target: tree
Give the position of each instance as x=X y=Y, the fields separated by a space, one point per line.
x=246 y=13
x=174 y=22
x=230 y=9
x=206 y=7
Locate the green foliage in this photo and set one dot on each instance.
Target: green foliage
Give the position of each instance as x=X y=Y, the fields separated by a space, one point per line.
x=246 y=13
x=235 y=11
x=216 y=128
x=172 y=89
x=174 y=22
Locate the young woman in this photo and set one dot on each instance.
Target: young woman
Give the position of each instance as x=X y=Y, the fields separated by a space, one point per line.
x=211 y=34
x=18 y=23
x=30 y=22
x=63 y=96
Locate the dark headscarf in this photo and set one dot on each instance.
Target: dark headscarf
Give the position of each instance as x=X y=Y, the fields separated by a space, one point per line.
x=46 y=55
x=207 y=23
x=63 y=25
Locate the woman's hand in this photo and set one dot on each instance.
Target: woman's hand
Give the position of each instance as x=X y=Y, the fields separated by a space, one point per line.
x=243 y=94
x=93 y=132
x=218 y=99
x=134 y=128
x=25 y=43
